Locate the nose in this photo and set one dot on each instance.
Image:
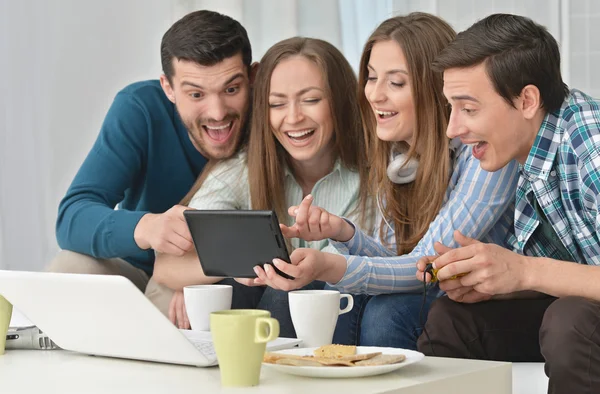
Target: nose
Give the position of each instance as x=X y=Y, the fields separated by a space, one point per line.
x=455 y=126
x=294 y=114
x=216 y=109
x=375 y=92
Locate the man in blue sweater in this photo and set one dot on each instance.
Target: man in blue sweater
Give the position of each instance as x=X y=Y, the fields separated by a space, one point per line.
x=155 y=140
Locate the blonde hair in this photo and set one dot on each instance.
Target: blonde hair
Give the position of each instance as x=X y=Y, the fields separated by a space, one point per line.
x=412 y=206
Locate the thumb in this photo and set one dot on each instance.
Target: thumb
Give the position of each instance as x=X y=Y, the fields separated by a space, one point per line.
x=289 y=232
x=298 y=255
x=464 y=240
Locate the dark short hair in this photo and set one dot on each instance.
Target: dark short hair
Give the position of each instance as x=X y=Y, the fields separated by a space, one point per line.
x=206 y=38
x=517 y=52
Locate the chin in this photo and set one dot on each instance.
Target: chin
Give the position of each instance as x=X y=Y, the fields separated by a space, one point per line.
x=490 y=165
x=386 y=135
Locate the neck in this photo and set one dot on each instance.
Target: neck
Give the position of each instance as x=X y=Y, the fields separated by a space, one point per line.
x=308 y=173
x=532 y=130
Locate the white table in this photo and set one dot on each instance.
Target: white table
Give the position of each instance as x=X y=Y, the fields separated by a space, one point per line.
x=34 y=371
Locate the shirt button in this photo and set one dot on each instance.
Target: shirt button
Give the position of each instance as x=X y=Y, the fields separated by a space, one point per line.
x=553 y=173
x=520 y=238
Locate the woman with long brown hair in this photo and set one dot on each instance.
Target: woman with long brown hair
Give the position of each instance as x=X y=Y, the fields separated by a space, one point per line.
x=426 y=187
x=306 y=139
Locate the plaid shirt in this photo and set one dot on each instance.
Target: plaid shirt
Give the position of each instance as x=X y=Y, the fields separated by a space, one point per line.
x=562 y=172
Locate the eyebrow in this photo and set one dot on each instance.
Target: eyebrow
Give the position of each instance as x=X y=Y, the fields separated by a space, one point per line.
x=394 y=71
x=230 y=80
x=300 y=93
x=465 y=97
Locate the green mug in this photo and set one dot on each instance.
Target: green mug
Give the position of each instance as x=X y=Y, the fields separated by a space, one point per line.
x=5 y=315
x=240 y=338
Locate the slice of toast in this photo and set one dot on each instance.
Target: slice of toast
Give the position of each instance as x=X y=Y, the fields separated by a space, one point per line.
x=382 y=359
x=298 y=362
x=358 y=357
x=335 y=351
x=273 y=357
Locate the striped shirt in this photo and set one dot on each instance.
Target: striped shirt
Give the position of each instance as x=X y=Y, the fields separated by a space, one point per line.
x=227 y=187
x=477 y=203
x=562 y=173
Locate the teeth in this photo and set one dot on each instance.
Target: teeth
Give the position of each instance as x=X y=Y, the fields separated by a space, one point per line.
x=474 y=144
x=385 y=113
x=219 y=127
x=298 y=134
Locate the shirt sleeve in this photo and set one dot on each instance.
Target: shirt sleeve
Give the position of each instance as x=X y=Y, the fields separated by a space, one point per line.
x=473 y=207
x=362 y=245
x=87 y=221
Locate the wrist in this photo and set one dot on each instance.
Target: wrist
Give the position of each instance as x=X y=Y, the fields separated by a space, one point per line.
x=529 y=273
x=139 y=233
x=346 y=233
x=334 y=268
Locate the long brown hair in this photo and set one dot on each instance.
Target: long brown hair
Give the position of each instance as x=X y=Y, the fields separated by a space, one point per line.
x=412 y=206
x=266 y=156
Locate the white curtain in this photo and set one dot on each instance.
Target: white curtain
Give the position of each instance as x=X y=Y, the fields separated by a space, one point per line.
x=63 y=61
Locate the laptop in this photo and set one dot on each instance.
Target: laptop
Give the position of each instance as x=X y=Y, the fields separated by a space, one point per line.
x=106 y=315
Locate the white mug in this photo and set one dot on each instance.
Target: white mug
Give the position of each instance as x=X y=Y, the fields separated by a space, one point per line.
x=201 y=300
x=315 y=314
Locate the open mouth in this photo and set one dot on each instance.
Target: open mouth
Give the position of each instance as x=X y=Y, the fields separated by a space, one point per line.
x=219 y=134
x=300 y=135
x=385 y=114
x=479 y=149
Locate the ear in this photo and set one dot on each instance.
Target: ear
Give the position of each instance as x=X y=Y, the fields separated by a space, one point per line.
x=167 y=88
x=253 y=71
x=530 y=101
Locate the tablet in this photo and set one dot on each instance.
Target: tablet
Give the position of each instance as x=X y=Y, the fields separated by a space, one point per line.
x=231 y=242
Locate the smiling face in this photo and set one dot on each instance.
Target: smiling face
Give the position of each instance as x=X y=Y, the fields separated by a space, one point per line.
x=389 y=92
x=212 y=102
x=497 y=131
x=299 y=110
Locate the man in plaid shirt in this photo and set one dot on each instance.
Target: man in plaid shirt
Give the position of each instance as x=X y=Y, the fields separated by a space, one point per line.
x=539 y=298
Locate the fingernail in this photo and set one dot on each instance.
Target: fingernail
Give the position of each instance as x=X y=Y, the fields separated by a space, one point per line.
x=267 y=268
x=295 y=211
x=433 y=265
x=276 y=262
x=256 y=270
x=308 y=197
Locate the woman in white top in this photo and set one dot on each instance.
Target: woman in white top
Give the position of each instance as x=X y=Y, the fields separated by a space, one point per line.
x=306 y=138
x=427 y=187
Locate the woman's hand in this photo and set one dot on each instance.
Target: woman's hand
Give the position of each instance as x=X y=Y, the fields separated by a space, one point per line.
x=314 y=223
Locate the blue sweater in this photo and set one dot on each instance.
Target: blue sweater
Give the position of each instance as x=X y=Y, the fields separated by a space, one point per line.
x=144 y=161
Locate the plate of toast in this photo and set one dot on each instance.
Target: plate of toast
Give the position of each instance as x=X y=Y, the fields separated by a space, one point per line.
x=340 y=361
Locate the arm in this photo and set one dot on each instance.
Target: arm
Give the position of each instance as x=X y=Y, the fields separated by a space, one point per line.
x=473 y=207
x=176 y=272
x=226 y=187
x=562 y=278
x=87 y=222
x=362 y=245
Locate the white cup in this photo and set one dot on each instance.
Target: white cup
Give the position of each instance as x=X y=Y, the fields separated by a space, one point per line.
x=201 y=300
x=315 y=314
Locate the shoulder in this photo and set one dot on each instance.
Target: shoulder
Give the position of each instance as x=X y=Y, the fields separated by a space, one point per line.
x=147 y=94
x=580 y=125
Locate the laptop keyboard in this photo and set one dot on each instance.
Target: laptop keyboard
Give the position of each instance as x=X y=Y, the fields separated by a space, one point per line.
x=205 y=347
